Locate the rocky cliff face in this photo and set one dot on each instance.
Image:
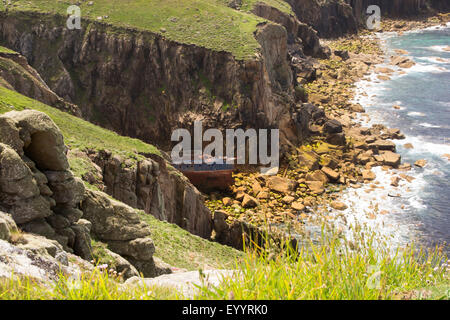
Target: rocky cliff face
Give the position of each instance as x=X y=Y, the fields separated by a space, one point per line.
x=335 y=18
x=331 y=18
x=394 y=8
x=43 y=197
x=155 y=188
x=143 y=85
x=16 y=74
x=302 y=39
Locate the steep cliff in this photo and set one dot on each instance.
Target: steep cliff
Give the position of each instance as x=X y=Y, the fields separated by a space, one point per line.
x=143 y=85
x=330 y=18
x=301 y=38
x=16 y=74
x=397 y=8
x=335 y=18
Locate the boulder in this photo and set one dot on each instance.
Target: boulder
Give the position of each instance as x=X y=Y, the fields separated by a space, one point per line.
x=338 y=205
x=151 y=268
x=397 y=60
x=112 y=220
x=121 y=265
x=408 y=146
x=357 y=108
x=43 y=141
x=317 y=175
x=406 y=177
x=382 y=145
x=329 y=161
x=420 y=163
x=40 y=245
x=330 y=173
x=390 y=158
x=39 y=260
x=7 y=226
x=337 y=139
x=288 y=199
x=368 y=175
x=297 y=206
x=308 y=159
x=332 y=126
x=342 y=54
x=394 y=181
x=249 y=202
x=82 y=245
x=279 y=184
x=407 y=64
x=140 y=249
x=227 y=201
x=316 y=187
x=264 y=194
x=256 y=188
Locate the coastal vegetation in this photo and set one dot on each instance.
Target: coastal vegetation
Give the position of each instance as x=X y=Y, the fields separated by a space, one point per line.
x=117 y=193
x=78 y=133
x=322 y=270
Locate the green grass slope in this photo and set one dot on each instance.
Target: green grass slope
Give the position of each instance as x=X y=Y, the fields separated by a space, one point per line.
x=180 y=248
x=281 y=5
x=78 y=133
x=206 y=23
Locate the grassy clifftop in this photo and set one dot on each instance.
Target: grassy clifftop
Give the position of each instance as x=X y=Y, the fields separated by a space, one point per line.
x=206 y=23
x=77 y=133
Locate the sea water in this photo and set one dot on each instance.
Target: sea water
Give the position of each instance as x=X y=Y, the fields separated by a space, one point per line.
x=417 y=210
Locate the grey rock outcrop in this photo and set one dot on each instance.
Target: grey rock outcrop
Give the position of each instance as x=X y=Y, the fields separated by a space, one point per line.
x=39 y=258
x=150 y=185
x=18 y=75
x=7 y=226
x=120 y=227
x=36 y=186
x=185 y=282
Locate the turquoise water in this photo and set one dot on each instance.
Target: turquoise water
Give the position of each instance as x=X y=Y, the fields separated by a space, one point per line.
x=424 y=96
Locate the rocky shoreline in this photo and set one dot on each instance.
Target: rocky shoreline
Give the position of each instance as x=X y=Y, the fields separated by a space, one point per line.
x=340 y=152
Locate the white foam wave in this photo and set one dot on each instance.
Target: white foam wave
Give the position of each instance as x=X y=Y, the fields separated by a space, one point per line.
x=423 y=147
x=438 y=60
x=439 y=27
x=428 y=125
x=381 y=207
x=428 y=68
x=416 y=114
x=437 y=48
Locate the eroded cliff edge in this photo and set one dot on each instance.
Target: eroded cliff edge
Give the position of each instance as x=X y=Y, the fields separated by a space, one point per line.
x=143 y=85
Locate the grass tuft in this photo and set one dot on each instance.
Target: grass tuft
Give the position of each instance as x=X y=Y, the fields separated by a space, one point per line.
x=331 y=270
